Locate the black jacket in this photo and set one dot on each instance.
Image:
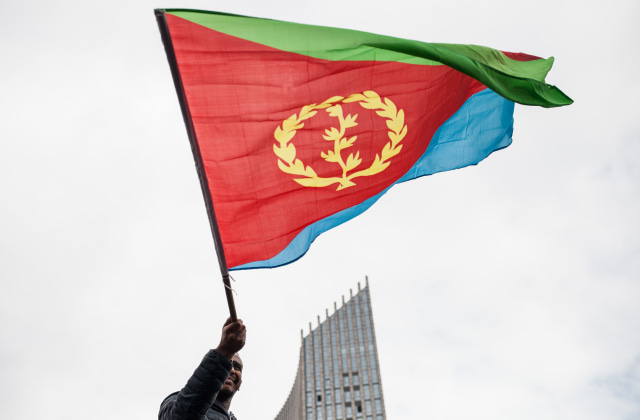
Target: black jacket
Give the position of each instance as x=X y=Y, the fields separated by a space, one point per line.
x=197 y=400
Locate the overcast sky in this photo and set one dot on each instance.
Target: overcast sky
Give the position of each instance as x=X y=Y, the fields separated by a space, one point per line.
x=508 y=290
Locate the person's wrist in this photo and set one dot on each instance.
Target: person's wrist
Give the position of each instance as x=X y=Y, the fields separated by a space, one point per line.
x=225 y=353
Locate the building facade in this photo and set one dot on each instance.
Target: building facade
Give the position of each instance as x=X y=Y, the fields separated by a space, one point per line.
x=338 y=374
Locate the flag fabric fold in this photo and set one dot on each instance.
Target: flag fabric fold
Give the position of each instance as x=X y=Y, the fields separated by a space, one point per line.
x=296 y=129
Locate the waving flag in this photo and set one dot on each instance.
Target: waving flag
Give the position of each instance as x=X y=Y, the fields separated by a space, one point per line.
x=296 y=129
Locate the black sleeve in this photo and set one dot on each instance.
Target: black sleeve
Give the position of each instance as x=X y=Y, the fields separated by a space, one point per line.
x=193 y=401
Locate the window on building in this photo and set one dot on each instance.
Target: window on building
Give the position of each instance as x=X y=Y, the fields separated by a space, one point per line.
x=378 y=406
x=374 y=374
x=319 y=398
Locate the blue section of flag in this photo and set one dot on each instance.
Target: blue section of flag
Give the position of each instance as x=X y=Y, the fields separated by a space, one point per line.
x=481 y=126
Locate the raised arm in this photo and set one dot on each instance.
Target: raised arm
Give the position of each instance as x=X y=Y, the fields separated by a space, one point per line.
x=201 y=390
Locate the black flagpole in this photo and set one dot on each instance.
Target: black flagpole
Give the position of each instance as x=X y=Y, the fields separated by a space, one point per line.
x=204 y=184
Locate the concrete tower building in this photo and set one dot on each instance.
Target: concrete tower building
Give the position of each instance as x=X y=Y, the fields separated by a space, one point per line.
x=338 y=374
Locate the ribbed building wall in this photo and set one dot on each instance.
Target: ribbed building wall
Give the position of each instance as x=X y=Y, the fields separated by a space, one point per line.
x=338 y=374
x=294 y=406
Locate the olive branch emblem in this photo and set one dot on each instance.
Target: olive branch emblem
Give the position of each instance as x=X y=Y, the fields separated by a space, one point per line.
x=286 y=151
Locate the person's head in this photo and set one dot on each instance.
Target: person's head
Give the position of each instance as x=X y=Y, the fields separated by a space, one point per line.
x=232 y=384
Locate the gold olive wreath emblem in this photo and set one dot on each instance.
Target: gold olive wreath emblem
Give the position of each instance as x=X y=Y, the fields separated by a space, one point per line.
x=286 y=151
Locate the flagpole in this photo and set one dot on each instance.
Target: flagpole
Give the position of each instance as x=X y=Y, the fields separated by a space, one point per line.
x=204 y=183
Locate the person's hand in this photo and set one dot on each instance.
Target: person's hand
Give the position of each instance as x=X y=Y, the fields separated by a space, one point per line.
x=233 y=337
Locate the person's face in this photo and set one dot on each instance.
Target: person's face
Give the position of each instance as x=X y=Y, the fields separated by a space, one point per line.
x=232 y=384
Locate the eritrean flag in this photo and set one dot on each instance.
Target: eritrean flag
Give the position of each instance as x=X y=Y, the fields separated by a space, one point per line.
x=296 y=129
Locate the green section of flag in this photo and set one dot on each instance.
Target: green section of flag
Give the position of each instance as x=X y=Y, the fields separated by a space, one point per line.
x=519 y=81
x=315 y=41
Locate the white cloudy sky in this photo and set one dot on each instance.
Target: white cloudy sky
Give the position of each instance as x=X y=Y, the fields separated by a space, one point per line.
x=504 y=291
